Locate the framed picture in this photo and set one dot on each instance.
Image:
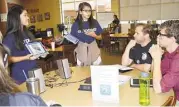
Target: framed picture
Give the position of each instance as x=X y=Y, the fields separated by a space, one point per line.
x=47 y=15
x=32 y=19
x=36 y=48
x=39 y=17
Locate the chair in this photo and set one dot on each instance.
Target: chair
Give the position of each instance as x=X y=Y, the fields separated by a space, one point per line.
x=68 y=52
x=49 y=63
x=107 y=44
x=171 y=101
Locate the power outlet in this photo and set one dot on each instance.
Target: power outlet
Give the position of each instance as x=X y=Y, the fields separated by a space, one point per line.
x=3 y=17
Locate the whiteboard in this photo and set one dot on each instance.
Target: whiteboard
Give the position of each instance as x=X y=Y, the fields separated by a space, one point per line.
x=105 y=18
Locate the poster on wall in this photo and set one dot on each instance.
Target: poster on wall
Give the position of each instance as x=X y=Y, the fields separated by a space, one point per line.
x=39 y=17
x=47 y=15
x=32 y=19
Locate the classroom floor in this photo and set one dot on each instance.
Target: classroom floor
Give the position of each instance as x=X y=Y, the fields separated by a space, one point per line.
x=108 y=59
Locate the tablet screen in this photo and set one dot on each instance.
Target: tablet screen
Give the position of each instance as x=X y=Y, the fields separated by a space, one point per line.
x=135 y=82
x=36 y=48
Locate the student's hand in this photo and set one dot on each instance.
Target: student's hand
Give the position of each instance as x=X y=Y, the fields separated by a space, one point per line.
x=156 y=52
x=131 y=44
x=92 y=34
x=32 y=57
x=44 y=55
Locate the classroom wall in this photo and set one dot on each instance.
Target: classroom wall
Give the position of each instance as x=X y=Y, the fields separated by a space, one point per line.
x=14 y=1
x=40 y=7
x=115 y=7
x=3 y=10
x=149 y=9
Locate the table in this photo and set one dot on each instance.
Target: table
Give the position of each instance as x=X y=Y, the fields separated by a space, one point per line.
x=70 y=96
x=58 y=49
x=119 y=35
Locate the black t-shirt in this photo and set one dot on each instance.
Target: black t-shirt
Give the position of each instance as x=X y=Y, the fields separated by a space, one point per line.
x=116 y=21
x=141 y=55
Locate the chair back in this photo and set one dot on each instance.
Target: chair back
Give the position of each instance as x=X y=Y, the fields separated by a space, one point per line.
x=171 y=101
x=68 y=52
x=106 y=40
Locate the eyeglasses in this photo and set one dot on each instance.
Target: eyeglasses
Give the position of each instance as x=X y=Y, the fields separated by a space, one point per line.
x=160 y=34
x=87 y=11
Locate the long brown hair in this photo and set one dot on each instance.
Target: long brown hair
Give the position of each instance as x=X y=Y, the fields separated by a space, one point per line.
x=14 y=26
x=7 y=85
x=79 y=18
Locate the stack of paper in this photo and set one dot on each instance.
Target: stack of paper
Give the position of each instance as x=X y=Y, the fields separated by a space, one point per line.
x=123 y=79
x=121 y=67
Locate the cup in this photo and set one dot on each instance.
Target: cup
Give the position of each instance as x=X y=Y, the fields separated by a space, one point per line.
x=53 y=46
x=49 y=33
x=33 y=85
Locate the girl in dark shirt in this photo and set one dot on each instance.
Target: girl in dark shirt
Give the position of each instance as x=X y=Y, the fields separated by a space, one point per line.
x=87 y=30
x=115 y=23
x=15 y=39
x=116 y=20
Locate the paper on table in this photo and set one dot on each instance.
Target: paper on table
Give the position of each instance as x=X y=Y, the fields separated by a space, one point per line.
x=123 y=79
x=105 y=84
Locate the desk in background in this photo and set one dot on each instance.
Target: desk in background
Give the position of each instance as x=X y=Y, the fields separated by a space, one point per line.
x=122 y=39
x=70 y=96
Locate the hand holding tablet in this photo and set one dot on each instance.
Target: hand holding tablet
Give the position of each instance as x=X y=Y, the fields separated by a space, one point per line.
x=36 y=49
x=32 y=57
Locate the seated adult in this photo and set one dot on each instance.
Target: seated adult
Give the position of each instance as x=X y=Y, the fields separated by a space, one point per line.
x=10 y=95
x=166 y=71
x=137 y=50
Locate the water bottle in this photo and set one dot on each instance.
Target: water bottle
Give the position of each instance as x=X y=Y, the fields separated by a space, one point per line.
x=144 y=90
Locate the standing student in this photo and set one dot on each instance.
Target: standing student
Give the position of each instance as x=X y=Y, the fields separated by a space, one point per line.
x=115 y=23
x=87 y=30
x=15 y=39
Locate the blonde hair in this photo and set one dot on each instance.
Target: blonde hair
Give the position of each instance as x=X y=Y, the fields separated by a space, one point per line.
x=7 y=85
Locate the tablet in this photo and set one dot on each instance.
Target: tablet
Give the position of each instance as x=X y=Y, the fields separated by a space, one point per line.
x=135 y=82
x=36 y=48
x=127 y=69
x=71 y=38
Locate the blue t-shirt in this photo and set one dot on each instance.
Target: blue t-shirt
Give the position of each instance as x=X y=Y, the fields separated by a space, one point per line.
x=18 y=67
x=81 y=34
x=21 y=99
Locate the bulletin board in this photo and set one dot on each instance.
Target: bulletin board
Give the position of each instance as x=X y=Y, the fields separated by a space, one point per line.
x=105 y=18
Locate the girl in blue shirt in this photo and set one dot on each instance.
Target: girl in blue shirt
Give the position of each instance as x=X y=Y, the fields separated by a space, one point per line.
x=87 y=30
x=15 y=39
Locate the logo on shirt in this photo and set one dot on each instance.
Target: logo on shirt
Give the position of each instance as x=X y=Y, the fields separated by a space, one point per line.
x=144 y=56
x=87 y=30
x=26 y=41
x=138 y=61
